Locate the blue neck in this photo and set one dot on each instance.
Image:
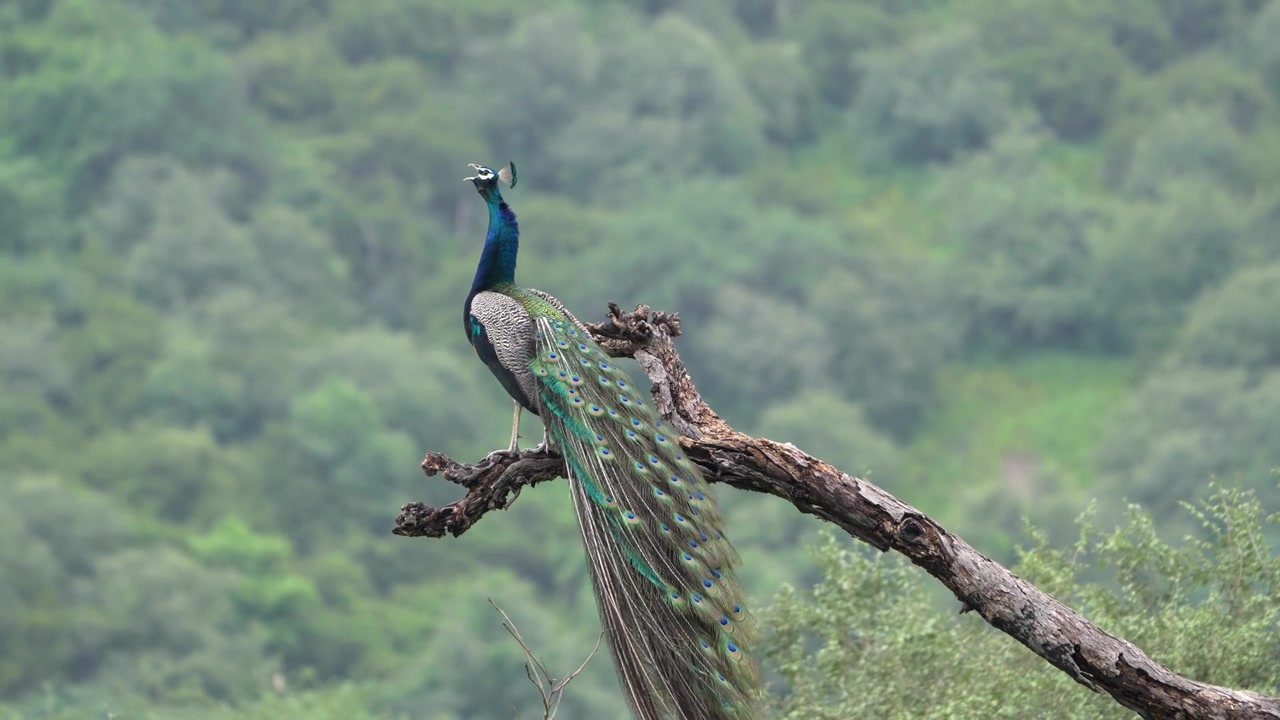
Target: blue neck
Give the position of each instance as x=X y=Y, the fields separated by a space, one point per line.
x=498 y=259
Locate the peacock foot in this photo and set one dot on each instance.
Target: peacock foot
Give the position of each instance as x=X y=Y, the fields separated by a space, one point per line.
x=498 y=455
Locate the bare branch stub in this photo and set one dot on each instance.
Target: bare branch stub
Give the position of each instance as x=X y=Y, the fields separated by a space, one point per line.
x=1093 y=657
x=491 y=485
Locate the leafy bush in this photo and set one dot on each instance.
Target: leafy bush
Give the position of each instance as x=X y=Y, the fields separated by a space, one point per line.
x=889 y=331
x=669 y=104
x=874 y=637
x=778 y=80
x=124 y=88
x=1055 y=59
x=930 y=99
x=1196 y=23
x=433 y=32
x=1213 y=404
x=826 y=427
x=1183 y=426
x=834 y=37
x=1189 y=239
x=1236 y=325
x=1024 y=237
x=1265 y=29
x=1197 y=112
x=756 y=365
x=1187 y=143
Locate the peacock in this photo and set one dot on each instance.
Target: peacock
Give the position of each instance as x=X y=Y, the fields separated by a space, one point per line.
x=661 y=567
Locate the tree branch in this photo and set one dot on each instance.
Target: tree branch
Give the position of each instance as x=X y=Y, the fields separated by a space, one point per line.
x=1093 y=657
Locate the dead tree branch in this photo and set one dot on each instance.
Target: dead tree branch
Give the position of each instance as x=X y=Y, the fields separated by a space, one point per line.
x=1093 y=657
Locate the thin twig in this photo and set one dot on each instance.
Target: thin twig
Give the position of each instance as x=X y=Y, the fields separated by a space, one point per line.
x=537 y=671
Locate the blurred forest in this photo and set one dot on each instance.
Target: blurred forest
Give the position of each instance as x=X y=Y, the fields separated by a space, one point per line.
x=1002 y=258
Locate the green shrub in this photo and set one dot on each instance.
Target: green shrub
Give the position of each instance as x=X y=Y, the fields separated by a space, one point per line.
x=875 y=637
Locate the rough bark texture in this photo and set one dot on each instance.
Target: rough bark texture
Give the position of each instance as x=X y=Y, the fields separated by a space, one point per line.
x=1095 y=658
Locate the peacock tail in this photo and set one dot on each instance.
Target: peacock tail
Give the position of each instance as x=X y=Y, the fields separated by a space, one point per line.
x=661 y=567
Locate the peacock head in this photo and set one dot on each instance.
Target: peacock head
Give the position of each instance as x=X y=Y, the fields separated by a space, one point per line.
x=486 y=180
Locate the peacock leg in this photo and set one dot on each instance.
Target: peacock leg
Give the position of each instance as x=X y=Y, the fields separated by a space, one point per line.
x=515 y=431
x=514 y=448
x=545 y=444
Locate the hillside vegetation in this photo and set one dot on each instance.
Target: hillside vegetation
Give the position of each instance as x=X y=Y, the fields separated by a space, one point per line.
x=1003 y=258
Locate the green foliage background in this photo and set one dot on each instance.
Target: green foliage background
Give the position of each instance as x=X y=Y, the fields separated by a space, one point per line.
x=1005 y=258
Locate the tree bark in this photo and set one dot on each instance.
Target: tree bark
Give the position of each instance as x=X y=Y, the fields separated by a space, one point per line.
x=1093 y=657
